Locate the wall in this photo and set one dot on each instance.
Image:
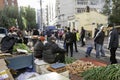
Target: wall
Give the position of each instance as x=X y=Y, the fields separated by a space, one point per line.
x=89 y=21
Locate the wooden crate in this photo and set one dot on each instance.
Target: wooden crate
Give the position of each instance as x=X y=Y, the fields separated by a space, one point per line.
x=59 y=70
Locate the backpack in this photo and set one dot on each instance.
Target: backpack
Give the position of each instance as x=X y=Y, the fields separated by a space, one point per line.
x=68 y=38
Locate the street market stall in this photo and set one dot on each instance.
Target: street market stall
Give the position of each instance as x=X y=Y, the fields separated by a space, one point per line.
x=20 y=61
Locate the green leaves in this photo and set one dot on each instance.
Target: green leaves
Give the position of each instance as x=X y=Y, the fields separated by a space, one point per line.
x=25 y=17
x=69 y=60
x=112 y=10
x=20 y=46
x=110 y=72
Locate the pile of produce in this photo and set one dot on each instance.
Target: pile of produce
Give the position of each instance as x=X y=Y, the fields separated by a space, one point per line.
x=110 y=72
x=69 y=60
x=20 y=46
x=79 y=66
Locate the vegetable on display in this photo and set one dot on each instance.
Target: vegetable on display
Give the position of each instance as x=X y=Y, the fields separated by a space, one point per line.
x=20 y=46
x=110 y=72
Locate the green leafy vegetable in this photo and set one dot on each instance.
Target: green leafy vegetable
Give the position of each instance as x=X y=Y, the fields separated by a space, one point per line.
x=110 y=72
x=20 y=46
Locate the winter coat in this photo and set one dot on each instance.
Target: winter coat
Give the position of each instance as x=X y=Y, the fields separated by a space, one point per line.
x=82 y=33
x=96 y=31
x=38 y=49
x=69 y=37
x=74 y=37
x=113 y=41
x=50 y=52
x=99 y=38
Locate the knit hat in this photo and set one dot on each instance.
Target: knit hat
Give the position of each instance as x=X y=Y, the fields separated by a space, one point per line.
x=41 y=38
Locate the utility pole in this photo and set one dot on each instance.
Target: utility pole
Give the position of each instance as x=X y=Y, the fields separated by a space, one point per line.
x=41 y=14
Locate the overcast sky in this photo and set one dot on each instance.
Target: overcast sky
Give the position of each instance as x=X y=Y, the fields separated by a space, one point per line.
x=32 y=3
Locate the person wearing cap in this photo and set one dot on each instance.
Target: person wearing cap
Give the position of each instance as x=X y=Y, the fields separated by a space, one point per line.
x=99 y=40
x=113 y=43
x=39 y=47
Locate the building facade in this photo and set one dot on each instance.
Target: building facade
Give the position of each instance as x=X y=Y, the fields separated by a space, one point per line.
x=51 y=12
x=66 y=9
x=94 y=5
x=4 y=3
x=88 y=20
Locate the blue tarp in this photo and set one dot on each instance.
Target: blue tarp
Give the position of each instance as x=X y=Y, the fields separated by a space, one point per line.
x=51 y=27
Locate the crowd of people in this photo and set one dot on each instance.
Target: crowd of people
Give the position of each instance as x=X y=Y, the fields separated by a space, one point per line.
x=69 y=38
x=113 y=42
x=46 y=48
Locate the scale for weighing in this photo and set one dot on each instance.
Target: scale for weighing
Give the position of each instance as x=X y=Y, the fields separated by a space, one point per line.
x=57 y=67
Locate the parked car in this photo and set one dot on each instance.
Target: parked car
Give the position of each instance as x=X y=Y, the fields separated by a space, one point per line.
x=3 y=32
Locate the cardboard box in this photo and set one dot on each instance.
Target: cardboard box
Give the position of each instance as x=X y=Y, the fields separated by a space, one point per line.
x=4 y=71
x=41 y=66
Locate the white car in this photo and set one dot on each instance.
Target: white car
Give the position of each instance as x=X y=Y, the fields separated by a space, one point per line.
x=3 y=32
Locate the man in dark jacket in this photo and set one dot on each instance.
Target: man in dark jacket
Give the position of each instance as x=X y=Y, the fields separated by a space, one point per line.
x=82 y=36
x=69 y=41
x=99 y=39
x=113 y=43
x=52 y=52
x=96 y=31
x=75 y=39
x=39 y=47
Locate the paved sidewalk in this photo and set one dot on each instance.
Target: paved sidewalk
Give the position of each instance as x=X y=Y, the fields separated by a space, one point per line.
x=81 y=51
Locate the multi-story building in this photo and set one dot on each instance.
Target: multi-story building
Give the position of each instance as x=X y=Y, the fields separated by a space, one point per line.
x=66 y=9
x=51 y=12
x=4 y=3
x=94 y=5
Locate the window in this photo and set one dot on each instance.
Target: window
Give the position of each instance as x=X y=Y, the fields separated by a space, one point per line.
x=93 y=2
x=80 y=10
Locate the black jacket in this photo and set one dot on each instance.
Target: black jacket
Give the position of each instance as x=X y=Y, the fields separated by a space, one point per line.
x=50 y=52
x=95 y=33
x=82 y=33
x=99 y=39
x=38 y=49
x=113 y=39
x=35 y=32
x=69 y=37
x=74 y=37
x=55 y=48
